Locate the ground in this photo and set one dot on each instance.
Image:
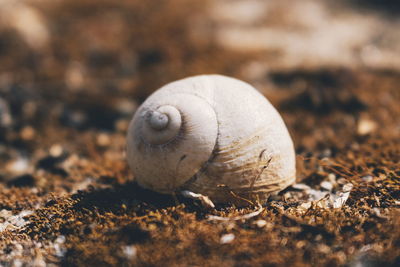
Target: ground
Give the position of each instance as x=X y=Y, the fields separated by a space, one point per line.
x=72 y=74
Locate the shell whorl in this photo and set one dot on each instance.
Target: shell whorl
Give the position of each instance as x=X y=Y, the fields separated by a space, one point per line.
x=161 y=125
x=170 y=138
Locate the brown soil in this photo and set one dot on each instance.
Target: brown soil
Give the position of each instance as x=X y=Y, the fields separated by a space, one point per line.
x=67 y=196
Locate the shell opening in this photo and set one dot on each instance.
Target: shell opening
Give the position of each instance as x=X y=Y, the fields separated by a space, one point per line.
x=161 y=125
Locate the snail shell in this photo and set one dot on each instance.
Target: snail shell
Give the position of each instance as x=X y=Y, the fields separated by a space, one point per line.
x=213 y=135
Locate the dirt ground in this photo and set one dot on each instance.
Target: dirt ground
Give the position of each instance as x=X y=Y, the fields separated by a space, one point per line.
x=72 y=74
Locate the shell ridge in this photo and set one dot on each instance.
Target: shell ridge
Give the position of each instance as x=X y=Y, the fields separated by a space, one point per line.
x=213 y=153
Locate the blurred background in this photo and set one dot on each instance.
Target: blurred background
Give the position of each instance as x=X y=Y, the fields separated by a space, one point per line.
x=72 y=72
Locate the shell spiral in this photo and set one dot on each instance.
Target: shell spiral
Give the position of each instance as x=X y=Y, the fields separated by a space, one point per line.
x=213 y=135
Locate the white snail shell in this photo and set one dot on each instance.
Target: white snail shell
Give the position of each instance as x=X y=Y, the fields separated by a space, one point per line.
x=212 y=135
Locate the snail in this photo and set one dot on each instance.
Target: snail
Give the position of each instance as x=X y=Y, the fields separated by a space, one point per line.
x=213 y=135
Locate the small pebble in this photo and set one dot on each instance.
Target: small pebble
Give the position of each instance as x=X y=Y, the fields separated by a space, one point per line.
x=103 y=140
x=347 y=187
x=27 y=133
x=18 y=166
x=5 y=213
x=332 y=178
x=261 y=223
x=367 y=178
x=316 y=194
x=60 y=239
x=56 y=150
x=366 y=126
x=129 y=252
x=59 y=251
x=227 y=238
x=326 y=185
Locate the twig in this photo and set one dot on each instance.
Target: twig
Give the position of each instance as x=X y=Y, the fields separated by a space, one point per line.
x=237 y=218
x=205 y=200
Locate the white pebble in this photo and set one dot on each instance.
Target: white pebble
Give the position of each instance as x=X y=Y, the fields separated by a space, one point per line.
x=326 y=185
x=347 y=187
x=366 y=126
x=332 y=178
x=59 y=251
x=367 y=178
x=60 y=239
x=261 y=223
x=20 y=165
x=227 y=238
x=130 y=252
